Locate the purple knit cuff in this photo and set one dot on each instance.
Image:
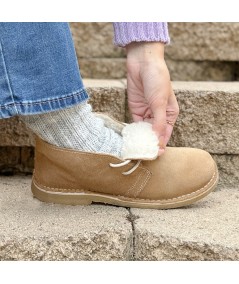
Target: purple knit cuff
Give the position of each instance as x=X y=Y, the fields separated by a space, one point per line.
x=125 y=33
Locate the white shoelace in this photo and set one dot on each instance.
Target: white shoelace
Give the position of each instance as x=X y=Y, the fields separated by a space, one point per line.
x=124 y=164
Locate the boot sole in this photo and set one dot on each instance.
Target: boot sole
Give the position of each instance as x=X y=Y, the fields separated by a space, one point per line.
x=86 y=198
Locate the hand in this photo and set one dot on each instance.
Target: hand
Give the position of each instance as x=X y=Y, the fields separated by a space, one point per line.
x=150 y=94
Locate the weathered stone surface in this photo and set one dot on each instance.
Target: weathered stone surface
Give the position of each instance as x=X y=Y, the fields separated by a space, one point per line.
x=115 y=68
x=208 y=114
x=201 y=70
x=10 y=158
x=206 y=230
x=193 y=55
x=102 y=68
x=16 y=159
x=105 y=96
x=208 y=117
x=27 y=160
x=95 y=40
x=236 y=71
x=105 y=83
x=228 y=166
x=189 y=41
x=203 y=41
x=13 y=132
x=32 y=230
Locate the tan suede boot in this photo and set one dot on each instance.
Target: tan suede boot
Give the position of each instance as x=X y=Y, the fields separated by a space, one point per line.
x=179 y=177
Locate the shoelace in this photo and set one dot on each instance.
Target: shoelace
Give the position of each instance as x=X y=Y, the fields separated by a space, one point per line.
x=124 y=164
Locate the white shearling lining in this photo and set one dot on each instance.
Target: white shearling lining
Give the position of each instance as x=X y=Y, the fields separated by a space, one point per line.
x=139 y=141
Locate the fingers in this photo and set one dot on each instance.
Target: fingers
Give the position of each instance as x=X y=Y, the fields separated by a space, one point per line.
x=151 y=98
x=172 y=113
x=159 y=124
x=165 y=116
x=168 y=134
x=137 y=117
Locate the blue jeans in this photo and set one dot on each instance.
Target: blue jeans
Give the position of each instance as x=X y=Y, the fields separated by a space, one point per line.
x=38 y=69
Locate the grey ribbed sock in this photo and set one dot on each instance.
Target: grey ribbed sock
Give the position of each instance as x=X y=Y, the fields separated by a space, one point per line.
x=75 y=128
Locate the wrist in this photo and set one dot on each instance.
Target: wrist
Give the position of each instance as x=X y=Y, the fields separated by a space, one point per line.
x=145 y=51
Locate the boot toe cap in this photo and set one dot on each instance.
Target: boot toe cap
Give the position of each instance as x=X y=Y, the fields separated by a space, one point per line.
x=181 y=173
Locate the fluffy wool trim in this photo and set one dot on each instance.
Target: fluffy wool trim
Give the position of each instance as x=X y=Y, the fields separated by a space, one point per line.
x=139 y=142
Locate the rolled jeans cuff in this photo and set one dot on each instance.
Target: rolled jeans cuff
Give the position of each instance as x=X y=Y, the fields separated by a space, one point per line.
x=39 y=71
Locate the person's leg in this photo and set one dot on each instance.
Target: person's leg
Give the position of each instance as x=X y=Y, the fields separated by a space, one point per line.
x=76 y=128
x=40 y=81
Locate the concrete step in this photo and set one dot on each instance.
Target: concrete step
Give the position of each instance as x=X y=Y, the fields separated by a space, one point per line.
x=209 y=119
x=32 y=230
x=207 y=230
x=193 y=54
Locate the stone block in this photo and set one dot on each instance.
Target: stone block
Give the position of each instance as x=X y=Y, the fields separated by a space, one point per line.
x=27 y=160
x=107 y=97
x=201 y=70
x=203 y=41
x=10 y=158
x=115 y=68
x=95 y=40
x=33 y=230
x=208 y=114
x=13 y=132
x=228 y=166
x=206 y=230
x=208 y=117
x=16 y=160
x=102 y=68
x=189 y=41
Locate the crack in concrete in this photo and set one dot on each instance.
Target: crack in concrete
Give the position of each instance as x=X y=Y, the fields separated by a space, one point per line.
x=131 y=218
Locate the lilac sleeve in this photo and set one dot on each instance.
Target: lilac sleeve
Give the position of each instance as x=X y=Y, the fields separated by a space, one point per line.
x=127 y=32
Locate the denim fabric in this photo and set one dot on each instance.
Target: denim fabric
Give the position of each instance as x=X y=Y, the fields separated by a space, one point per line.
x=38 y=69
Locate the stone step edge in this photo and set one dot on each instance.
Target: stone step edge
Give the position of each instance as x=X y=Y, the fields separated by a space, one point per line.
x=227 y=87
x=222 y=139
x=135 y=230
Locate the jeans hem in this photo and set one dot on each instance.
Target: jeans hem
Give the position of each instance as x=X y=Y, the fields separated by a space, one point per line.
x=43 y=106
